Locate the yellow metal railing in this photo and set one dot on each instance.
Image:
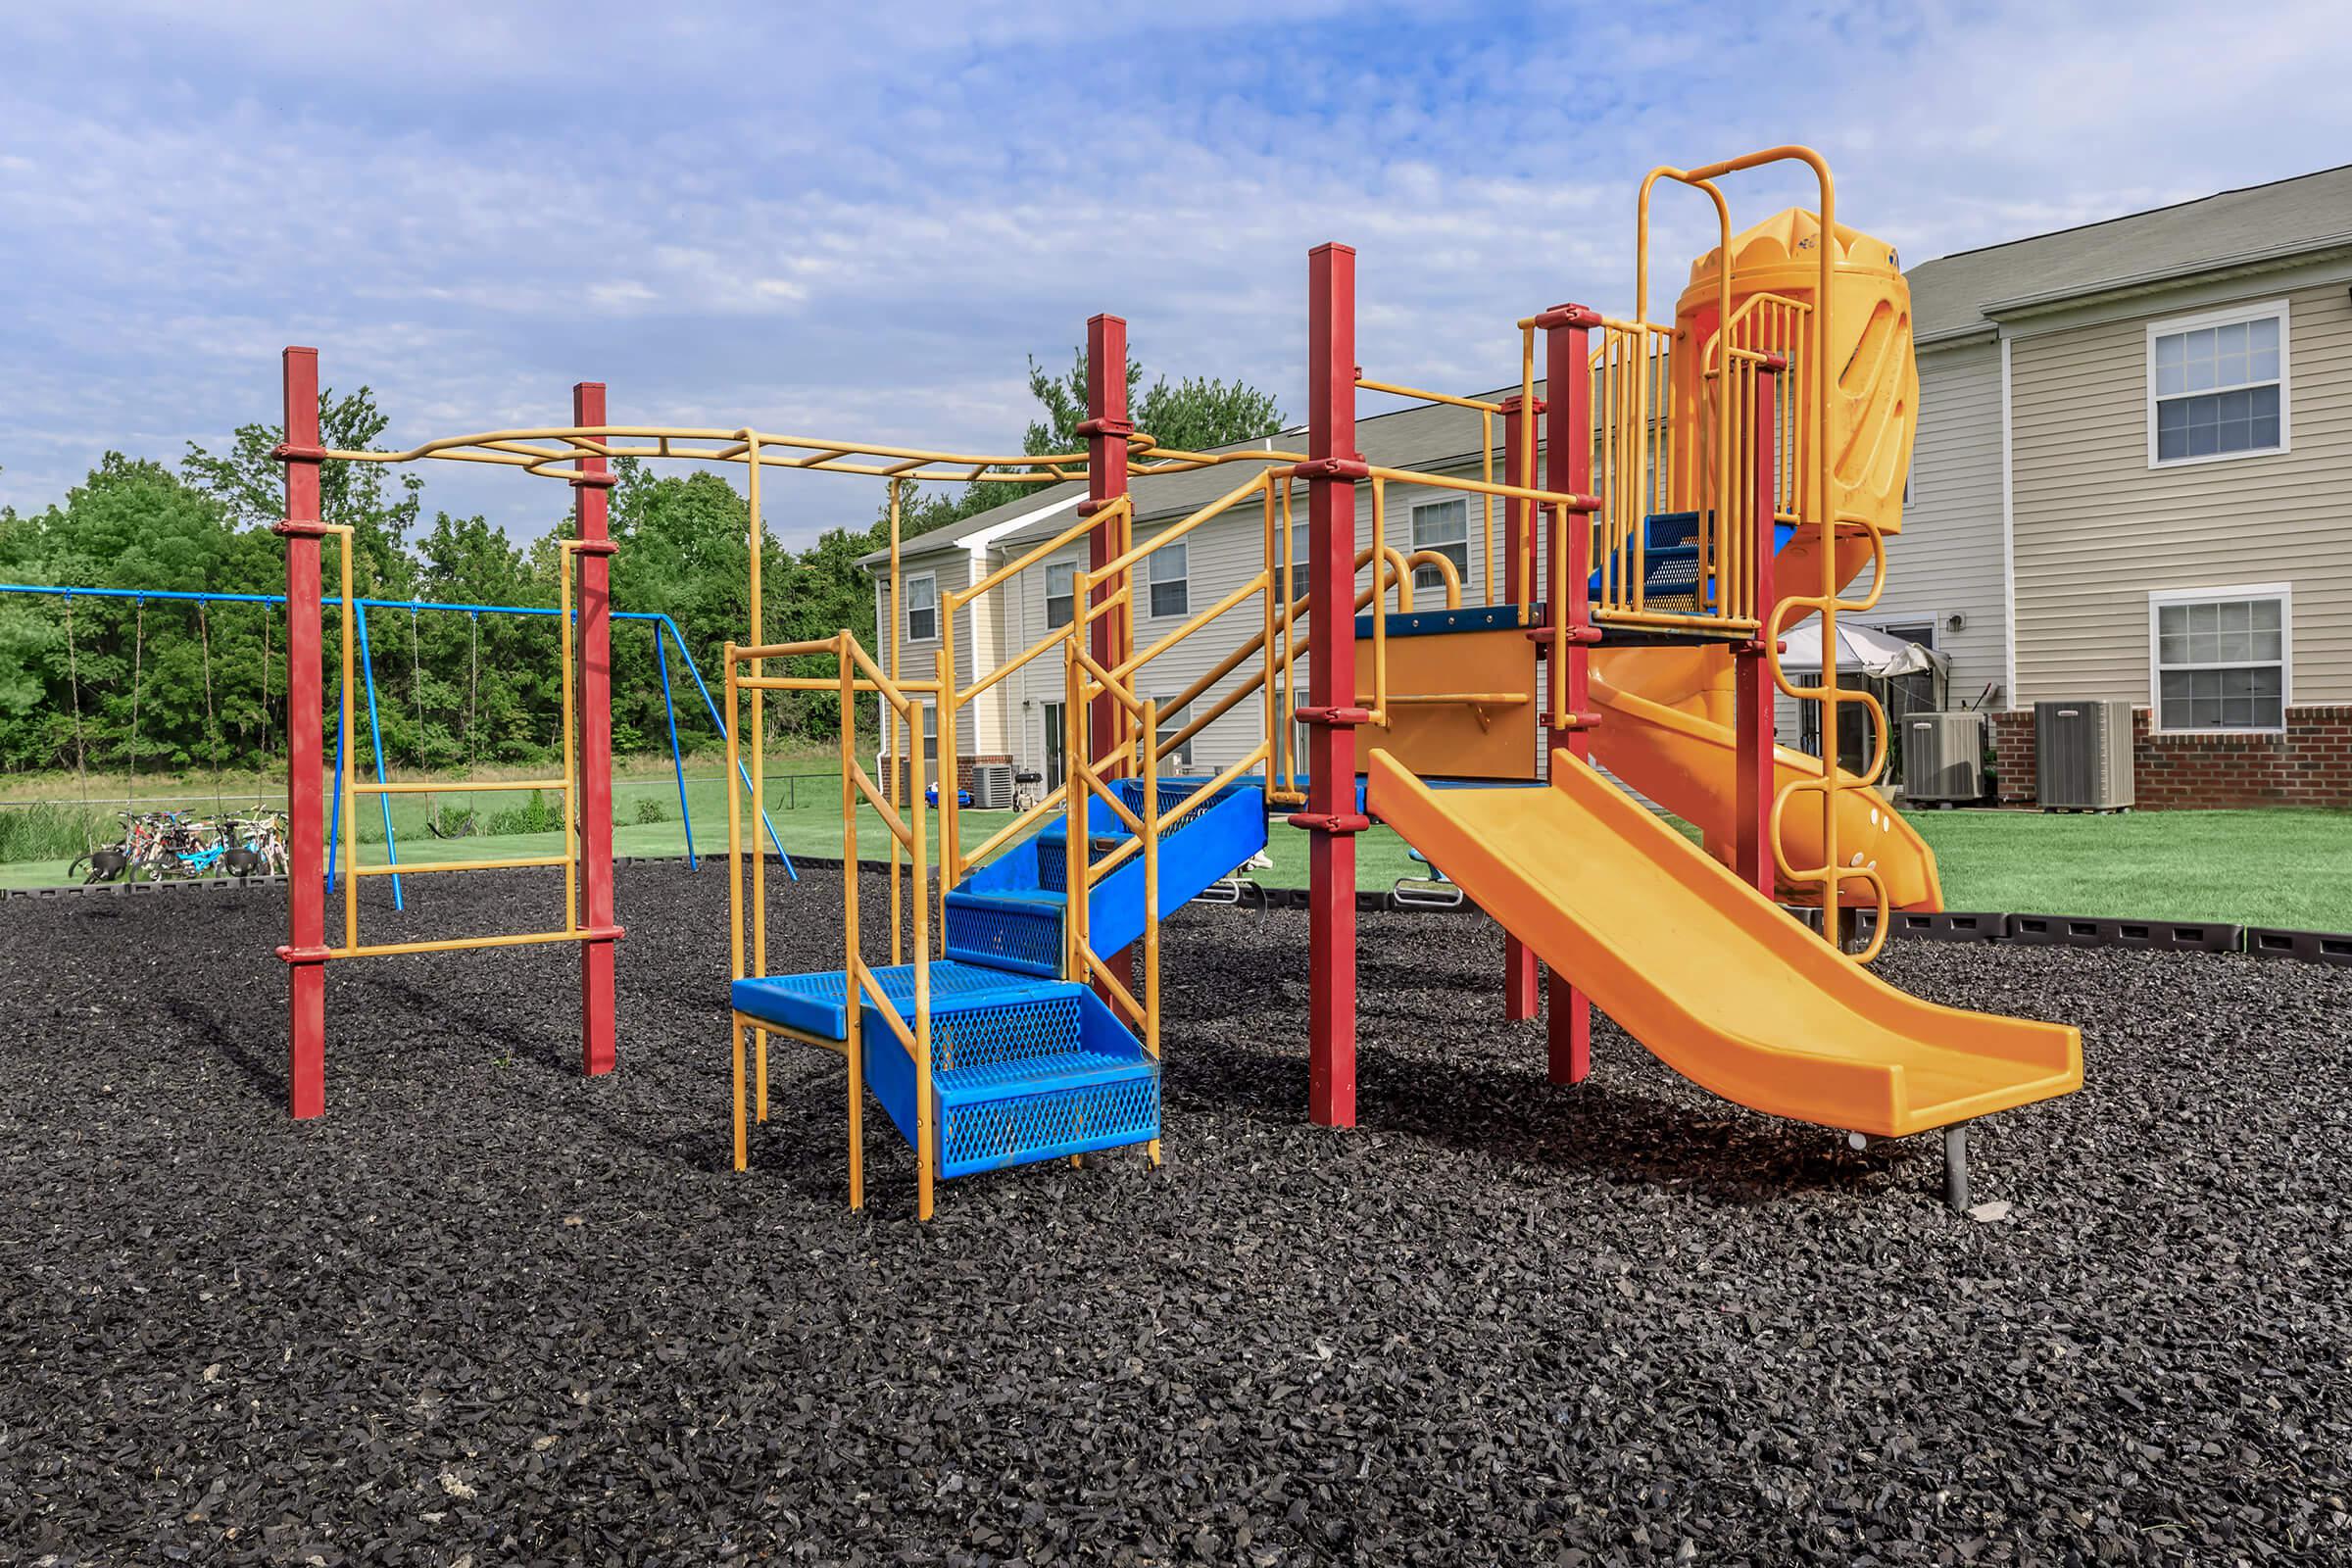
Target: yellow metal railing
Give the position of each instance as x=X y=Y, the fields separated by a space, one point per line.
x=1487 y=409
x=857 y=675
x=352 y=788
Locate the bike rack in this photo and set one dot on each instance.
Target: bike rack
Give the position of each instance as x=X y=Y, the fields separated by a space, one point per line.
x=1435 y=891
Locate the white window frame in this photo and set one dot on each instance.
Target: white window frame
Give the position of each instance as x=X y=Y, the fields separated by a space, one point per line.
x=1153 y=581
x=914 y=609
x=2158 y=599
x=930 y=732
x=2226 y=318
x=1169 y=722
x=1430 y=577
x=1052 y=567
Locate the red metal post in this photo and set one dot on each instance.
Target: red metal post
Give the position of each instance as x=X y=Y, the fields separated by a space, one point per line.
x=593 y=492
x=305 y=951
x=1519 y=976
x=1751 y=815
x=1331 y=816
x=1106 y=430
x=1568 y=468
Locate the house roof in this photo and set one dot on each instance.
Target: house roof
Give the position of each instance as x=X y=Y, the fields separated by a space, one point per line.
x=2233 y=229
x=1425 y=435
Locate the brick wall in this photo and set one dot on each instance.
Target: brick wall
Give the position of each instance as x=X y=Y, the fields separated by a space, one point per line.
x=2310 y=765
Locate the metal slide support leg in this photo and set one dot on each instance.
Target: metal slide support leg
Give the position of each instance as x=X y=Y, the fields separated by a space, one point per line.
x=1955 y=1167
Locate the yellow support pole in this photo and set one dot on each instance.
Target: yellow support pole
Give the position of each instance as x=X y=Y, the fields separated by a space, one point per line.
x=351 y=751
x=571 y=775
x=854 y=1032
x=758 y=528
x=735 y=892
x=1152 y=894
x=926 y=1143
x=950 y=867
x=891 y=723
x=1076 y=768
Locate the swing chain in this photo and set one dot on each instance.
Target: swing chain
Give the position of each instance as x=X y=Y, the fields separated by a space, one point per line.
x=81 y=762
x=139 y=660
x=212 y=722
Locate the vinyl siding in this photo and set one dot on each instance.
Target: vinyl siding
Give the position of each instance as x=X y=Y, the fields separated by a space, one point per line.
x=953 y=569
x=1947 y=559
x=1225 y=551
x=2097 y=529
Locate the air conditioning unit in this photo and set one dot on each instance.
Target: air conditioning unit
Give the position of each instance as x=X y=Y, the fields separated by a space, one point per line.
x=1944 y=757
x=2082 y=754
x=992 y=786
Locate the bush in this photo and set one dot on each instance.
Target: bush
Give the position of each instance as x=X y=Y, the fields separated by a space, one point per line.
x=534 y=815
x=650 y=810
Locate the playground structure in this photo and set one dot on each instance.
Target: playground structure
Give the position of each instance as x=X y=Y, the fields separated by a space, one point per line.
x=1646 y=583
x=665 y=633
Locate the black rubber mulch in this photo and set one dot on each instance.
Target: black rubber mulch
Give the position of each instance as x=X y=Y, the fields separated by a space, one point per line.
x=487 y=1312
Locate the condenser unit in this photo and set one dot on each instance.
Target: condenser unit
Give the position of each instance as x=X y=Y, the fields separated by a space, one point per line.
x=992 y=786
x=1944 y=757
x=2082 y=754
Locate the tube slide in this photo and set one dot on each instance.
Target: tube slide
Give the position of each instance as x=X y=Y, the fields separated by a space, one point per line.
x=1666 y=729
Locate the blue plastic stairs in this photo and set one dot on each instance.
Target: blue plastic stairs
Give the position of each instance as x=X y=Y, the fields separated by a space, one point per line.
x=1670 y=554
x=1026 y=1066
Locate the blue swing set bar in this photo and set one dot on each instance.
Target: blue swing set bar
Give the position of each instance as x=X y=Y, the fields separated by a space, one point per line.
x=660 y=623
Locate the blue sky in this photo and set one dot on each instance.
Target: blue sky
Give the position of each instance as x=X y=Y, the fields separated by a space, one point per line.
x=858 y=221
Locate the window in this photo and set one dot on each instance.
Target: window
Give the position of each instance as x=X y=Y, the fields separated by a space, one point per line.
x=931 y=731
x=1171 y=719
x=2221 y=659
x=1301 y=581
x=1061 y=593
x=1443 y=526
x=1171 y=593
x=2217 y=385
x=922 y=608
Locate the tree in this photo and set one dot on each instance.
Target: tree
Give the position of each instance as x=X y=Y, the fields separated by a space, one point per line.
x=378 y=502
x=1193 y=416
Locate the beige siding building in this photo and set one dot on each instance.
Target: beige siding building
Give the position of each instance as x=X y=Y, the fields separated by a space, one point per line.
x=2136 y=439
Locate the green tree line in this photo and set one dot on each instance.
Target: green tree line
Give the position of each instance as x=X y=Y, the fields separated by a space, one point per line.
x=172 y=686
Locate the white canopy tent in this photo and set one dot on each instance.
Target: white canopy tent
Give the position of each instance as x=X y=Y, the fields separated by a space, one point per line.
x=1865 y=649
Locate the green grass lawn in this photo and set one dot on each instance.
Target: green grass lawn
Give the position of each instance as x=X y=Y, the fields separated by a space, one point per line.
x=2270 y=867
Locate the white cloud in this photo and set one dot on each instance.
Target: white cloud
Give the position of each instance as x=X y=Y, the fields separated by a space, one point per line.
x=864 y=224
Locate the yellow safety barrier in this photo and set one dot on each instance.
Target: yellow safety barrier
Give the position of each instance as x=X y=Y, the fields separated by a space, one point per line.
x=352 y=788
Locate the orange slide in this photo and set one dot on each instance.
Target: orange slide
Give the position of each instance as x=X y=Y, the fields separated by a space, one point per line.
x=1704 y=971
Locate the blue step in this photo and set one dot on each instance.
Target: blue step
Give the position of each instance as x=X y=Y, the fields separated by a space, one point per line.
x=1008 y=914
x=816 y=1003
x=1670 y=552
x=1022 y=1069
